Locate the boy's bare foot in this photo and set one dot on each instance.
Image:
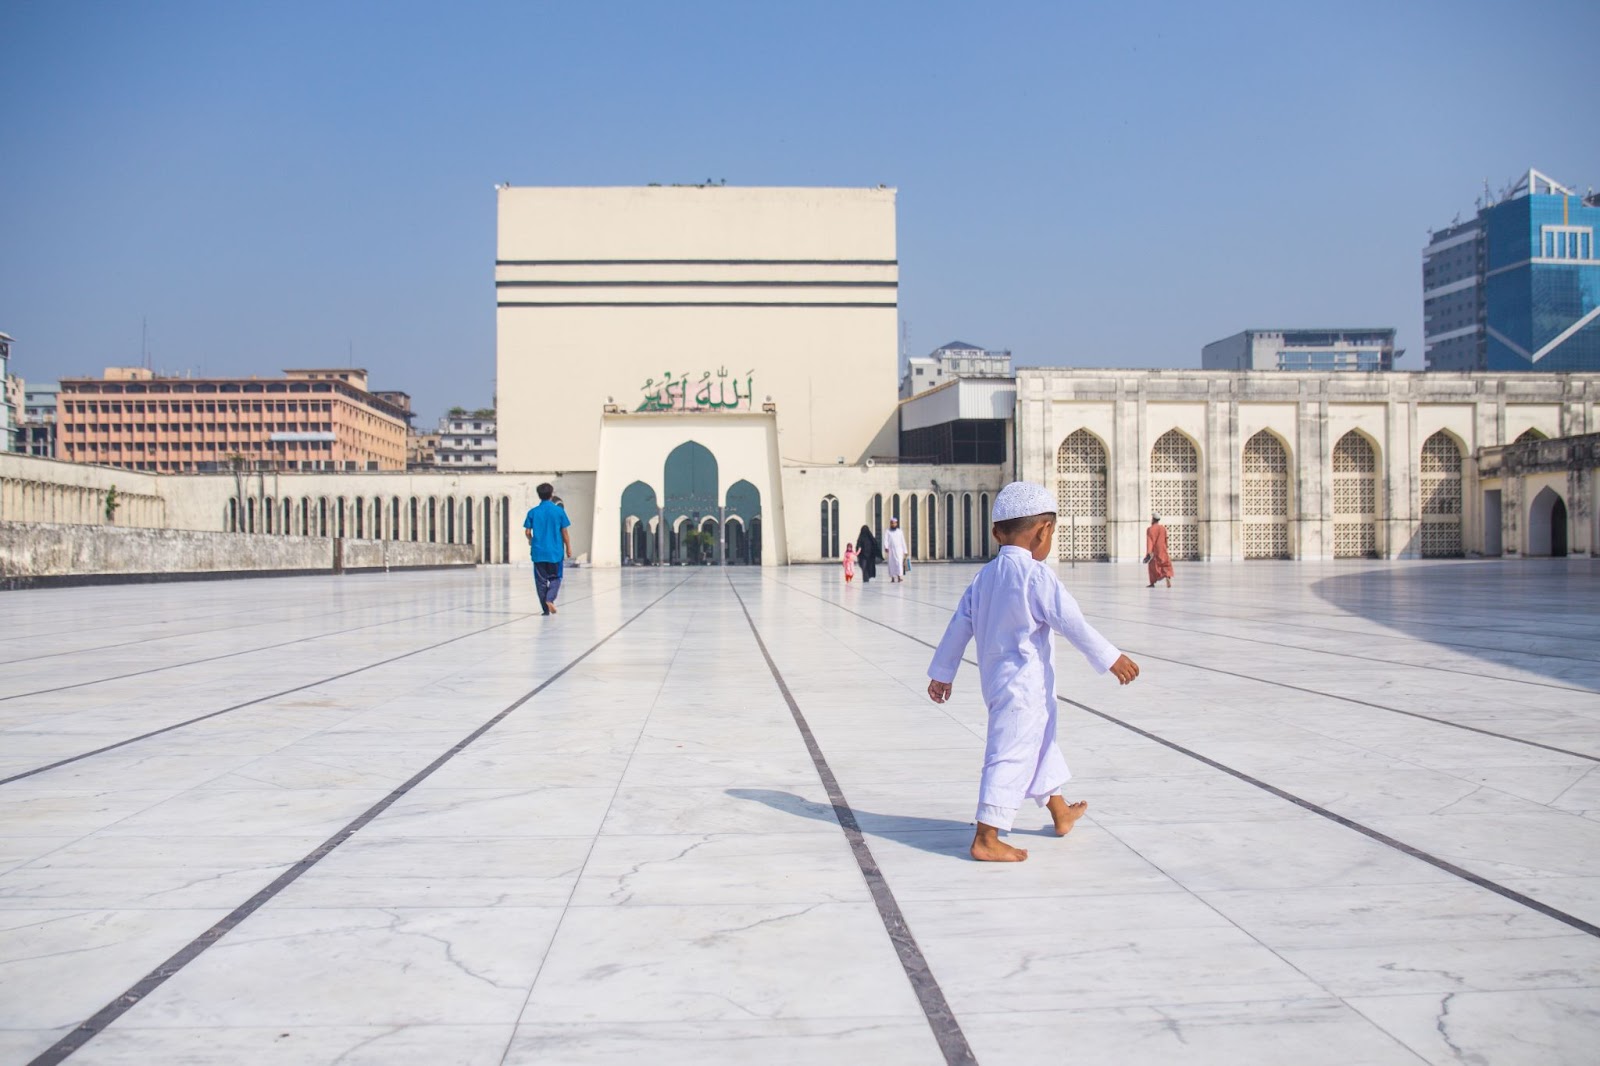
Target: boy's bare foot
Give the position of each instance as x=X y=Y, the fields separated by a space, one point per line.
x=988 y=847
x=552 y=608
x=1065 y=814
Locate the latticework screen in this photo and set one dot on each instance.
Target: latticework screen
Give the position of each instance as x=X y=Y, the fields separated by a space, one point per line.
x=1081 y=498
x=1441 y=497
x=1355 y=498
x=1266 y=498
x=1175 y=492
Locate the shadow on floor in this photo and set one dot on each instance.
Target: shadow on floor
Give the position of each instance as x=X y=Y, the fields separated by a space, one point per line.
x=939 y=836
x=1536 y=615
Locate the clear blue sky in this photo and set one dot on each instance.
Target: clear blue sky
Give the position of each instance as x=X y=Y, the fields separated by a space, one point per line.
x=272 y=184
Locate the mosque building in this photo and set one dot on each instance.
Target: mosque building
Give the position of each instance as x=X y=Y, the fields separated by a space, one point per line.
x=711 y=374
x=724 y=360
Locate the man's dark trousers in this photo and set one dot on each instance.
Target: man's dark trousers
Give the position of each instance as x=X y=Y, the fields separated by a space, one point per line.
x=547 y=583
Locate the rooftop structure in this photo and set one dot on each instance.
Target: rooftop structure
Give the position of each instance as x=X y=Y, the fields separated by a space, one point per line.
x=1303 y=349
x=958 y=359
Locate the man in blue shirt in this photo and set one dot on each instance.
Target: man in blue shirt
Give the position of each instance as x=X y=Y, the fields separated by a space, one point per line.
x=549 y=544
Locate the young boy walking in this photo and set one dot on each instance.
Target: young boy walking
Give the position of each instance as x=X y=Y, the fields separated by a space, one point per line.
x=1012 y=607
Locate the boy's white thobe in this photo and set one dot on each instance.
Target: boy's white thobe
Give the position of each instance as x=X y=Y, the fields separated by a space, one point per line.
x=1011 y=607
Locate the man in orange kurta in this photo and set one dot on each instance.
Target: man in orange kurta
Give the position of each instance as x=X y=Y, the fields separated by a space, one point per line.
x=1157 y=559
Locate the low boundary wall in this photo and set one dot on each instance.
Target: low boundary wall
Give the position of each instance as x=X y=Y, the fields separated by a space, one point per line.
x=41 y=555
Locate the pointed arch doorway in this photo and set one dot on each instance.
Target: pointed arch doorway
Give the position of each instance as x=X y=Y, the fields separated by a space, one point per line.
x=1547 y=525
x=640 y=520
x=690 y=479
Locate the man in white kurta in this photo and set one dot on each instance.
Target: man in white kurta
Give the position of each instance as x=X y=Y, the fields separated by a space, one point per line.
x=894 y=550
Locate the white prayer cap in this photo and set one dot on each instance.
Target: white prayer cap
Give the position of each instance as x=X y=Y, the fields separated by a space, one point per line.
x=1022 y=499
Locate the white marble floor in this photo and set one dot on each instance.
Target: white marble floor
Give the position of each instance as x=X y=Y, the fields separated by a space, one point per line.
x=1349 y=814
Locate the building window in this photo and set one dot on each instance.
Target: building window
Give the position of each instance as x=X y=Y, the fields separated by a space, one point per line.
x=830 y=527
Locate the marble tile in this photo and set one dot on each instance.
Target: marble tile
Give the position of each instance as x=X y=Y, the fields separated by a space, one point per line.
x=1306 y=1032
x=654 y=820
x=1548 y=844
x=278 y=1045
x=1560 y=961
x=27 y=812
x=39 y=887
x=1577 y=896
x=786 y=769
x=140 y=771
x=652 y=964
x=772 y=1042
x=679 y=811
x=443 y=871
x=1067 y=958
x=271 y=812
x=291 y=967
x=1389 y=914
x=1547 y=1027
x=1302 y=852
x=720 y=869
x=493 y=812
x=935 y=866
x=474 y=768
x=23 y=1045
x=57 y=967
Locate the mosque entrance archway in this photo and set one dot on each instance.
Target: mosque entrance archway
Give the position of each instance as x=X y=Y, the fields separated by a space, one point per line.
x=640 y=514
x=1547 y=524
x=691 y=496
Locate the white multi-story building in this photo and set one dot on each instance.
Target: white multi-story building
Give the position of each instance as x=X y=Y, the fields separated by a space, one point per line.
x=958 y=359
x=466 y=442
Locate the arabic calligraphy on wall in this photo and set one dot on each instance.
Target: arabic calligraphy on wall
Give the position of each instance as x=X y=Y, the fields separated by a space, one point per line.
x=710 y=392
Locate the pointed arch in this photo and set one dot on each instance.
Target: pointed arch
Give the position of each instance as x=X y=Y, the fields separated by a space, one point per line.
x=639 y=508
x=1355 y=497
x=1547 y=524
x=1081 y=497
x=830 y=527
x=689 y=480
x=1440 y=470
x=1265 y=472
x=1175 y=491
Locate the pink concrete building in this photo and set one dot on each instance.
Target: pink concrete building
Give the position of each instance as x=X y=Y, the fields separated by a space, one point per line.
x=306 y=420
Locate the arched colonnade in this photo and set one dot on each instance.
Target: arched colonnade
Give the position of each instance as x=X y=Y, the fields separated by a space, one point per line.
x=1173 y=487
x=485 y=521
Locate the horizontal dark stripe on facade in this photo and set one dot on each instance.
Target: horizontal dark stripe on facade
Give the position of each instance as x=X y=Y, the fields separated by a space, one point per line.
x=685 y=303
x=619 y=284
x=697 y=262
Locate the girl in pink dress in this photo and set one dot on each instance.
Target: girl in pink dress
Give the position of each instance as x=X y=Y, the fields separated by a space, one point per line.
x=849 y=562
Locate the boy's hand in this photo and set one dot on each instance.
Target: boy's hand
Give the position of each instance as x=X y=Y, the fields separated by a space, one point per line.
x=1124 y=670
x=938 y=691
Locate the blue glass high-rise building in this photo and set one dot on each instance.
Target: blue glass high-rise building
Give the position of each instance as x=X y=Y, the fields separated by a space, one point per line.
x=1518 y=287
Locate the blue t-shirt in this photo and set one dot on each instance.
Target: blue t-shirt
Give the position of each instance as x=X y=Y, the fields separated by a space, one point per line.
x=547 y=521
